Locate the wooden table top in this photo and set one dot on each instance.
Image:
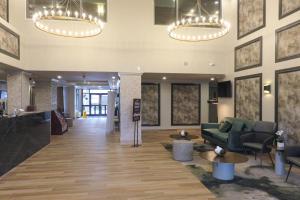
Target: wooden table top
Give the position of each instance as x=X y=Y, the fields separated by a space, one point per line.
x=179 y=137
x=229 y=157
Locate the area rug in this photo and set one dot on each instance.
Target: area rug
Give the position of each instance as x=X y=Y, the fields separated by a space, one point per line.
x=251 y=181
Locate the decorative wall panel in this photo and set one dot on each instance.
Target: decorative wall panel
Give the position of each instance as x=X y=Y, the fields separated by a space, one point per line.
x=287 y=106
x=249 y=55
x=9 y=42
x=248 y=97
x=288 y=42
x=4 y=9
x=251 y=16
x=185 y=108
x=150 y=104
x=287 y=7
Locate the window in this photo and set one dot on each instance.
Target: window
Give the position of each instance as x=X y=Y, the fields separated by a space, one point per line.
x=94 y=7
x=165 y=10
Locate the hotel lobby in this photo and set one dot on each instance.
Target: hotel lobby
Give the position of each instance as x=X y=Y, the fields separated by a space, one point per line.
x=149 y=99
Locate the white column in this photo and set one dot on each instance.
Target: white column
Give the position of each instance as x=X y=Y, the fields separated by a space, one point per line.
x=45 y=96
x=130 y=88
x=18 y=88
x=111 y=101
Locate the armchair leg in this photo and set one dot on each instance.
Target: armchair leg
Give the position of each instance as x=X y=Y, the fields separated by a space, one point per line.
x=271 y=159
x=288 y=174
x=255 y=155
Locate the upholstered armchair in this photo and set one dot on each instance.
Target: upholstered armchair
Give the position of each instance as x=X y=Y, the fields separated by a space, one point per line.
x=292 y=156
x=260 y=139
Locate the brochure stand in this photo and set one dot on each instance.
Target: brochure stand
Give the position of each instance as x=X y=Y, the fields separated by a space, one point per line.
x=136 y=118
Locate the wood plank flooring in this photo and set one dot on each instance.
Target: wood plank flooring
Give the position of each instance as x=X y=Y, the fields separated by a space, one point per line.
x=85 y=164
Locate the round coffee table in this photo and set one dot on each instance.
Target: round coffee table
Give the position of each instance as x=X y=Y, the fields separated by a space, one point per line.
x=180 y=137
x=223 y=166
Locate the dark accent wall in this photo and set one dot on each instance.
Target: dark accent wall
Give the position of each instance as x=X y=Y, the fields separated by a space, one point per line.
x=21 y=137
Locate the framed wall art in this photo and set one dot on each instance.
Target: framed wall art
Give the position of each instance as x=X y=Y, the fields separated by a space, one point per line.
x=288 y=42
x=248 y=55
x=251 y=16
x=288 y=7
x=287 y=101
x=185 y=104
x=4 y=9
x=150 y=104
x=248 y=97
x=10 y=42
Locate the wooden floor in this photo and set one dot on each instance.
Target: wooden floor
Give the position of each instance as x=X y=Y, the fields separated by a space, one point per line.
x=84 y=164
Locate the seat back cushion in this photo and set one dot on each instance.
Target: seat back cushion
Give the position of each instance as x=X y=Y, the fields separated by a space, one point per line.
x=249 y=124
x=262 y=126
x=225 y=126
x=237 y=126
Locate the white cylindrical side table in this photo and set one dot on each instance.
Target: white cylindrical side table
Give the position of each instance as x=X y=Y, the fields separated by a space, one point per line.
x=280 y=163
x=183 y=150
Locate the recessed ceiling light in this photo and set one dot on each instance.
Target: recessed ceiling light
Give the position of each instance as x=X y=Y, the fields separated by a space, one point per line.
x=113 y=77
x=59 y=77
x=212 y=79
x=216 y=2
x=164 y=78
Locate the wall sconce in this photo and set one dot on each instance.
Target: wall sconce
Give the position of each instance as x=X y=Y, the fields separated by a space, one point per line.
x=267 y=89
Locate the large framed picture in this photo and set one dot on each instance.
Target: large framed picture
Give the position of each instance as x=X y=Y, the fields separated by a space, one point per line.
x=10 y=42
x=248 y=97
x=251 y=16
x=288 y=42
x=4 y=9
x=150 y=104
x=185 y=104
x=288 y=7
x=248 y=55
x=287 y=101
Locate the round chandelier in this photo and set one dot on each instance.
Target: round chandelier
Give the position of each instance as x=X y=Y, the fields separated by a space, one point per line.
x=67 y=18
x=199 y=25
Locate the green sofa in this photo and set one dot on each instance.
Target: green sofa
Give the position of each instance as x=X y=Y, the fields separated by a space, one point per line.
x=229 y=140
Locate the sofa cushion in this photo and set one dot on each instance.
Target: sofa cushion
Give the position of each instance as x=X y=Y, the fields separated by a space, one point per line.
x=249 y=125
x=267 y=127
x=237 y=126
x=225 y=127
x=215 y=133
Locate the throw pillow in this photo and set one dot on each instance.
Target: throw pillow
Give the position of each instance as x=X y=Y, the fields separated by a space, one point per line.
x=225 y=127
x=237 y=126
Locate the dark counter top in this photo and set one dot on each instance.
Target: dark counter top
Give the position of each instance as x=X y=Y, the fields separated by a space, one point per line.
x=22 y=136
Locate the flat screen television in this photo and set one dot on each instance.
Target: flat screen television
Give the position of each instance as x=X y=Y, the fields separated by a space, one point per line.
x=224 y=89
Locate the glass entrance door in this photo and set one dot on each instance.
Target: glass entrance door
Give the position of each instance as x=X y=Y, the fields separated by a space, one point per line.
x=95 y=104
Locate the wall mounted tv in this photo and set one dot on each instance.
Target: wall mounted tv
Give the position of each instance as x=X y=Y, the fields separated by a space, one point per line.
x=224 y=89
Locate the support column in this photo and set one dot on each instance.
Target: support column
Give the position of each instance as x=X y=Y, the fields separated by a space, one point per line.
x=69 y=101
x=18 y=89
x=130 y=88
x=45 y=93
x=111 y=101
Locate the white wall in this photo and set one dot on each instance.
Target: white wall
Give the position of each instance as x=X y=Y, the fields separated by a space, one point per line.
x=226 y=107
x=165 y=105
x=130 y=39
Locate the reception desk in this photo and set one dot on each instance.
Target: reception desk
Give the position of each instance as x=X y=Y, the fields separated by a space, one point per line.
x=21 y=137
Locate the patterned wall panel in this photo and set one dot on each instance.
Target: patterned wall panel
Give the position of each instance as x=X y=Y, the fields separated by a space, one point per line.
x=287 y=7
x=248 y=97
x=10 y=42
x=150 y=104
x=186 y=102
x=4 y=9
x=288 y=42
x=249 y=55
x=287 y=106
x=251 y=16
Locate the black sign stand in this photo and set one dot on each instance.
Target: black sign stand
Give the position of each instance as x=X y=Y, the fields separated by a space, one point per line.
x=136 y=118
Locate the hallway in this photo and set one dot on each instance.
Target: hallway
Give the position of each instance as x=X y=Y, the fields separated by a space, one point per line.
x=86 y=164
